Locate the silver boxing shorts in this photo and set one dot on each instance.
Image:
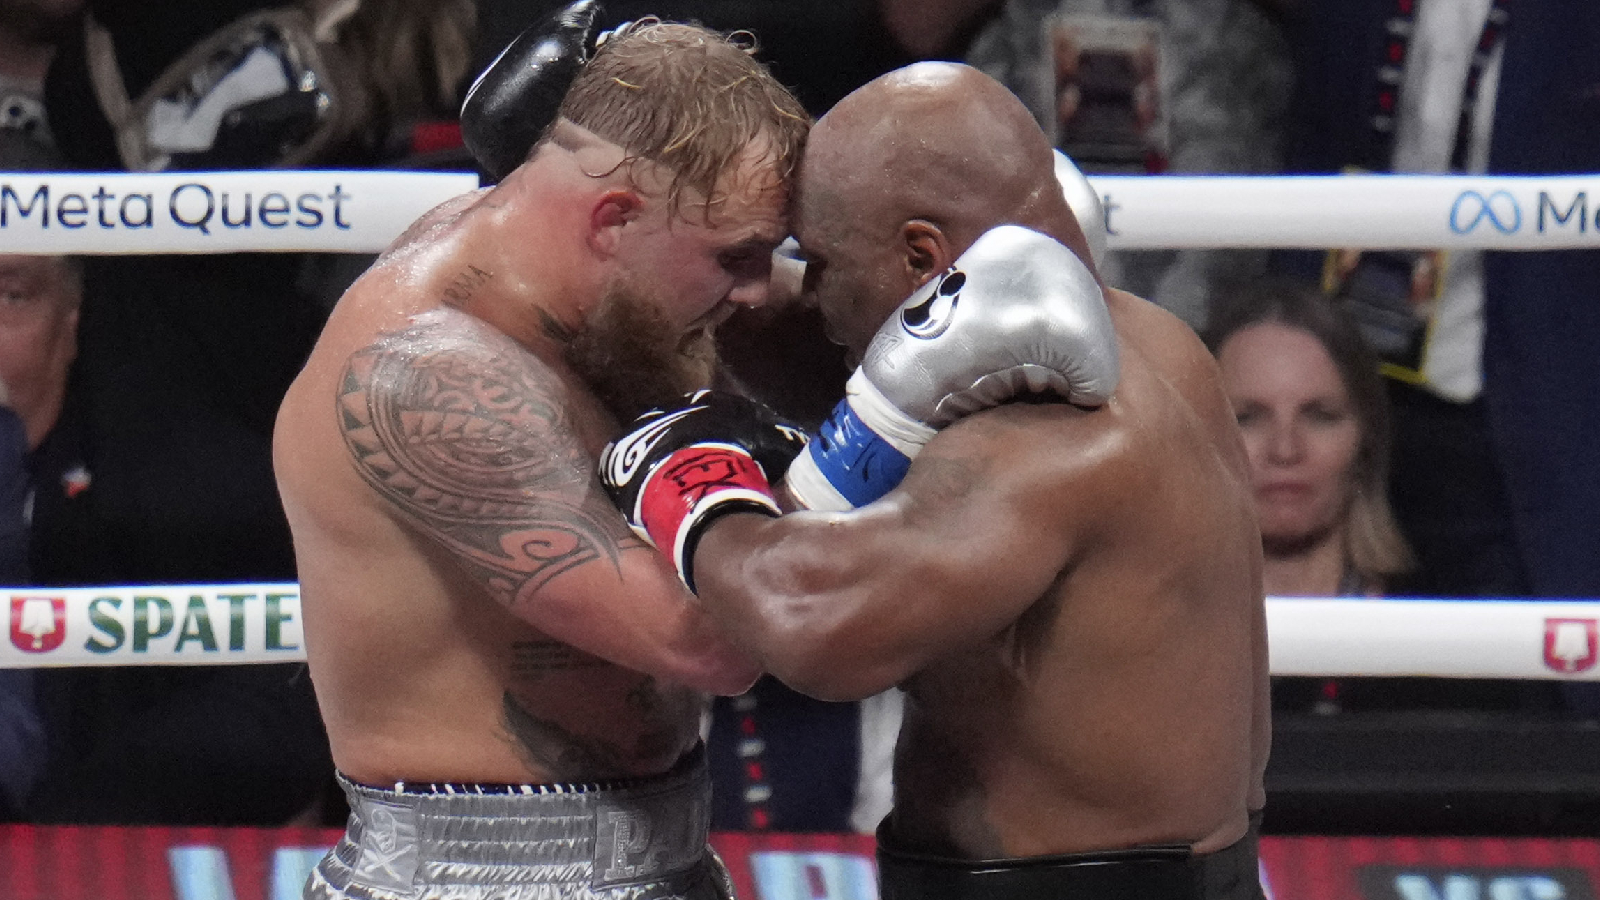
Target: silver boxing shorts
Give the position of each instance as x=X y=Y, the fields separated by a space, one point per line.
x=643 y=839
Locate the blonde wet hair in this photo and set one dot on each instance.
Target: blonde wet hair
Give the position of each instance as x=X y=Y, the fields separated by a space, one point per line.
x=690 y=99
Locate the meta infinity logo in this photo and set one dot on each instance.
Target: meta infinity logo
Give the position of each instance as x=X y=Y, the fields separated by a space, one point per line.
x=1472 y=209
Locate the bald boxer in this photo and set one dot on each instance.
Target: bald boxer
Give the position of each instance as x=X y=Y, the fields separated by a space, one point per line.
x=1070 y=596
x=512 y=682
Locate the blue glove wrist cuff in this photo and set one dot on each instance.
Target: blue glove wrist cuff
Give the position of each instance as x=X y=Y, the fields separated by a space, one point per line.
x=847 y=465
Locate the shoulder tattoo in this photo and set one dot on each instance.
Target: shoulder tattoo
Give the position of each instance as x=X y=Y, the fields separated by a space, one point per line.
x=458 y=293
x=466 y=434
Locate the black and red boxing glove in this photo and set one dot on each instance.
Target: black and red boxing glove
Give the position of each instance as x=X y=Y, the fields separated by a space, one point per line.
x=676 y=471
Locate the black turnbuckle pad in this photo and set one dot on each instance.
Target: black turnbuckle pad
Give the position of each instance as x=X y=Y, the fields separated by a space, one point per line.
x=519 y=95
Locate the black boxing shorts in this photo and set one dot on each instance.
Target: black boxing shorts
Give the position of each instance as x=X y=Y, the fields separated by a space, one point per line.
x=644 y=839
x=1139 y=873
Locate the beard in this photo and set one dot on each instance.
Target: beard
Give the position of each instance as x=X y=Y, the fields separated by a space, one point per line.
x=633 y=360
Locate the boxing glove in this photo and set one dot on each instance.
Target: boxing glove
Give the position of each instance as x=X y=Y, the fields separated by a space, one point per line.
x=518 y=95
x=676 y=471
x=1085 y=203
x=1018 y=312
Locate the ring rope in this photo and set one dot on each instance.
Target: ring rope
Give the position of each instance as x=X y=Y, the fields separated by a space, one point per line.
x=364 y=211
x=261 y=623
x=1374 y=212
x=324 y=211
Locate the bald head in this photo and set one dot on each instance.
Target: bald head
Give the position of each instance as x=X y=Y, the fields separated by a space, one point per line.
x=937 y=142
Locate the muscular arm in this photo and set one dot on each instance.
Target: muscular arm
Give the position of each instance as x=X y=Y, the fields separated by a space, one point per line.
x=467 y=438
x=843 y=605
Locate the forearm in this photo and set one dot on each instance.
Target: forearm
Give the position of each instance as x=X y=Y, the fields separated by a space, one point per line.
x=800 y=595
x=638 y=615
x=711 y=660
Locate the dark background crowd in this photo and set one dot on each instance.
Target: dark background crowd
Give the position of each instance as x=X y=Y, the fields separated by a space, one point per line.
x=1428 y=416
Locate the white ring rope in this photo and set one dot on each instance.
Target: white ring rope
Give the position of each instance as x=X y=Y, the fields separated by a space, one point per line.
x=1375 y=212
x=260 y=623
x=363 y=211
x=216 y=212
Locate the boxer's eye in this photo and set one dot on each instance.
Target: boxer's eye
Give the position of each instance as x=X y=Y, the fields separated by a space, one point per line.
x=1250 y=414
x=747 y=263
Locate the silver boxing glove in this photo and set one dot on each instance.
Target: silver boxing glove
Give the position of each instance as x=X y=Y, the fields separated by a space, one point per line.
x=1017 y=312
x=1086 y=206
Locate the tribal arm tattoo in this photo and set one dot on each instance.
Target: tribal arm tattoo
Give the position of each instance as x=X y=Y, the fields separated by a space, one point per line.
x=465 y=433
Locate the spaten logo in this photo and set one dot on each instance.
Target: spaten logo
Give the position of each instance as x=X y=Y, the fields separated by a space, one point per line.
x=1570 y=645
x=38 y=624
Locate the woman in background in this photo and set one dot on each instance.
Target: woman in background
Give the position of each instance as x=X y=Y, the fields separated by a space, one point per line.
x=1315 y=420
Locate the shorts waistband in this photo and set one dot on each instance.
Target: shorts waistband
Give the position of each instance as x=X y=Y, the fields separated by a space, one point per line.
x=473 y=835
x=1163 y=872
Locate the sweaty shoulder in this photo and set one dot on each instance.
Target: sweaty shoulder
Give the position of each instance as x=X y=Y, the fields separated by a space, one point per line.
x=1022 y=457
x=429 y=223
x=1165 y=361
x=1169 y=397
x=1164 y=341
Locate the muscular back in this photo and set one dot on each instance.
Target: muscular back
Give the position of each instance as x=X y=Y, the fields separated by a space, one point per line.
x=476 y=610
x=1126 y=704
x=1071 y=599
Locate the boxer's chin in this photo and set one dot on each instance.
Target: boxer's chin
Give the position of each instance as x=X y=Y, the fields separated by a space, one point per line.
x=634 y=360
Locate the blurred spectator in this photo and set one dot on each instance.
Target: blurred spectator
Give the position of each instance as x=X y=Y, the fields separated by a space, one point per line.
x=39 y=299
x=1494 y=426
x=160 y=472
x=1132 y=86
x=1418 y=96
x=1493 y=355
x=1315 y=422
x=14 y=490
x=1542 y=326
x=21 y=733
x=29 y=32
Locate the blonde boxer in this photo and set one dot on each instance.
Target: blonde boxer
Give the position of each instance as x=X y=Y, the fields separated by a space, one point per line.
x=512 y=682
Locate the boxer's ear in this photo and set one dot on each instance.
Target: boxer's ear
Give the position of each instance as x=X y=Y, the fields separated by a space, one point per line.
x=611 y=212
x=927 y=250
